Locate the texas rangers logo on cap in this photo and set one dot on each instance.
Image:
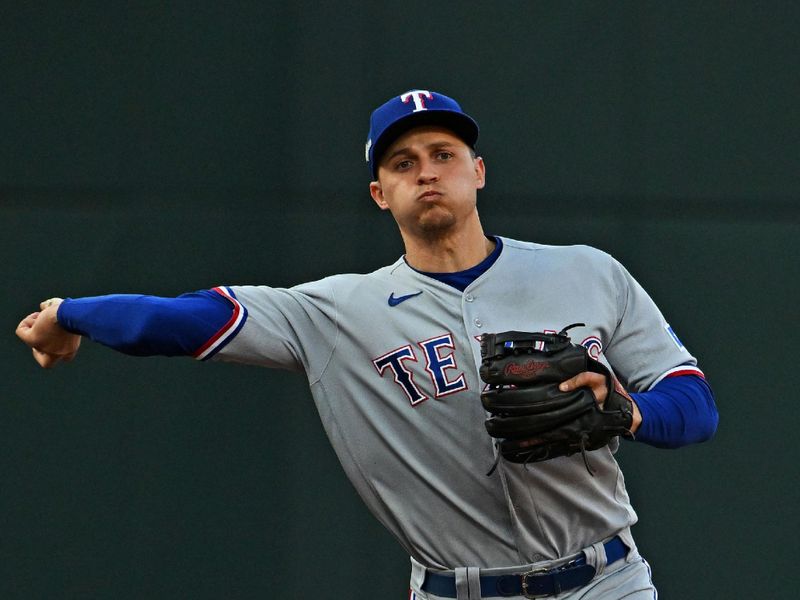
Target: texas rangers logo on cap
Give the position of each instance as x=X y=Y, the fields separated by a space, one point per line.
x=419 y=98
x=411 y=109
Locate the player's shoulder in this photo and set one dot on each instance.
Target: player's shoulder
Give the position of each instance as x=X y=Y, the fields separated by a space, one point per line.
x=351 y=281
x=561 y=253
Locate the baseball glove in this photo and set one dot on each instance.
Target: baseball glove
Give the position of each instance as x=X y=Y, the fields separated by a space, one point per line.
x=531 y=419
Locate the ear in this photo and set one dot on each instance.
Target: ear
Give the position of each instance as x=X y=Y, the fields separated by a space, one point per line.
x=480 y=173
x=376 y=191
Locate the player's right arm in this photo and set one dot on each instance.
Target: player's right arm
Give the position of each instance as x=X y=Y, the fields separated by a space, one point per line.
x=294 y=329
x=134 y=324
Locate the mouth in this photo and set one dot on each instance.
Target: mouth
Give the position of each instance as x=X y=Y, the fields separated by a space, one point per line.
x=429 y=195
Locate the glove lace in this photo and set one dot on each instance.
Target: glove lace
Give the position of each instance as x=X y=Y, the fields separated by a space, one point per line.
x=584 y=439
x=496 y=461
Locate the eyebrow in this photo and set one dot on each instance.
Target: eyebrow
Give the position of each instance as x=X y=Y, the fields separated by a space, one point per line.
x=405 y=149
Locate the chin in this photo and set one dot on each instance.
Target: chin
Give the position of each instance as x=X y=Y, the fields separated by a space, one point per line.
x=436 y=227
x=436 y=221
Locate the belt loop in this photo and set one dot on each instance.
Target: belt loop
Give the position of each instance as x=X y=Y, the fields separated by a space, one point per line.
x=418 y=572
x=596 y=557
x=462 y=583
x=474 y=580
x=627 y=539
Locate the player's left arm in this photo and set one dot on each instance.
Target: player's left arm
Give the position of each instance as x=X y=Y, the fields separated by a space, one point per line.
x=679 y=410
x=673 y=403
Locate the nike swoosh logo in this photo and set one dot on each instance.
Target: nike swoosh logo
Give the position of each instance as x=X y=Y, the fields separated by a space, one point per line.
x=394 y=301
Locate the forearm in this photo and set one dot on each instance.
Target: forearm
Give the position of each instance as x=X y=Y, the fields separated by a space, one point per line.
x=676 y=412
x=148 y=325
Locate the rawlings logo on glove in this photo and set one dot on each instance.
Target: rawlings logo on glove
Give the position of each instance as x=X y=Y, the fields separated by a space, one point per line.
x=527 y=370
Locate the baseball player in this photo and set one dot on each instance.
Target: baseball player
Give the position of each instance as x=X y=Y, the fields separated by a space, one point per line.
x=392 y=360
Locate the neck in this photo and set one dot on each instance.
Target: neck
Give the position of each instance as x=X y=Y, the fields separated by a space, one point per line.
x=449 y=252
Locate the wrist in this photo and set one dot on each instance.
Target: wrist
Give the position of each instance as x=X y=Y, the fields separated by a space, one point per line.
x=637 y=417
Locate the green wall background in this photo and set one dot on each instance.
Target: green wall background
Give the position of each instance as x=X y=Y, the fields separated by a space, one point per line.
x=160 y=148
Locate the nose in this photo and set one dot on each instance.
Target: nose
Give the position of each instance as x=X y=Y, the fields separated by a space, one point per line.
x=427 y=172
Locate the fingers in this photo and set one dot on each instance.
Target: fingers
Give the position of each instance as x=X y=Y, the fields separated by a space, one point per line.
x=585 y=379
x=45 y=360
x=24 y=328
x=50 y=302
x=48 y=361
x=594 y=381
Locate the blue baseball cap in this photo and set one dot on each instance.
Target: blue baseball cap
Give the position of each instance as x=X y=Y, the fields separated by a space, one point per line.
x=412 y=109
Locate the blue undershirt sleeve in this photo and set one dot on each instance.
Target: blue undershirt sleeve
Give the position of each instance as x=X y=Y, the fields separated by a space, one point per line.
x=676 y=412
x=148 y=325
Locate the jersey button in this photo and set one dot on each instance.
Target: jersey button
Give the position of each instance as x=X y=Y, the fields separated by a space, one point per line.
x=478 y=323
x=469 y=297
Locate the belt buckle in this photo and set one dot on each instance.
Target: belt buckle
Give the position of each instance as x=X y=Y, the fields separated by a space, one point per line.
x=532 y=573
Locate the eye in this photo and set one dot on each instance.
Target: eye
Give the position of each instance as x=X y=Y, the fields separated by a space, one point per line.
x=403 y=165
x=444 y=155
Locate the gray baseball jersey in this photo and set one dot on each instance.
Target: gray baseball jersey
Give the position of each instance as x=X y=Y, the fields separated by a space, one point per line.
x=392 y=361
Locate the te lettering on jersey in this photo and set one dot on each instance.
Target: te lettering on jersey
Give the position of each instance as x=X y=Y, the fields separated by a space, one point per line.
x=438 y=354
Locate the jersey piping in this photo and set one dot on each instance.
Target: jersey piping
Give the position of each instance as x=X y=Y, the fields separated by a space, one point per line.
x=228 y=331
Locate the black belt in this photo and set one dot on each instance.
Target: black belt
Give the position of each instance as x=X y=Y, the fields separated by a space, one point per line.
x=530 y=584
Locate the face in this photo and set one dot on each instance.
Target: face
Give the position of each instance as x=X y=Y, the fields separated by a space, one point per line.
x=428 y=179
